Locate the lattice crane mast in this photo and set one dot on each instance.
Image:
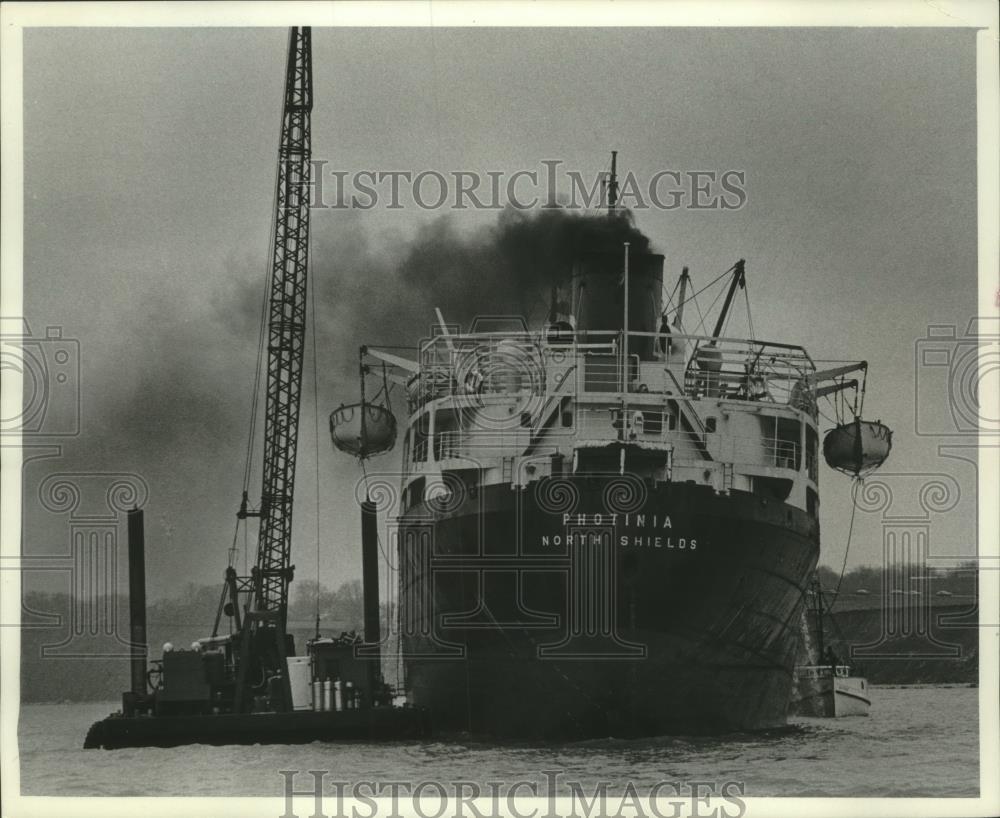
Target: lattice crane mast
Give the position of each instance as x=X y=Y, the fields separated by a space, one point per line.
x=262 y=627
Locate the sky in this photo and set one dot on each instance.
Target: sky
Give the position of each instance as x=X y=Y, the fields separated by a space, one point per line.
x=149 y=161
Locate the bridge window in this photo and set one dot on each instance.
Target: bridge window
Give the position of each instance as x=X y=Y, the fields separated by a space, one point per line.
x=785 y=446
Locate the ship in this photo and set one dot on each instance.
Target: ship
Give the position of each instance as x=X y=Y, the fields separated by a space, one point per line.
x=605 y=524
x=830 y=691
x=824 y=686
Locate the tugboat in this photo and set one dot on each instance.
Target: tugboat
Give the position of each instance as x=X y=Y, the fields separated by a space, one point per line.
x=826 y=688
x=604 y=525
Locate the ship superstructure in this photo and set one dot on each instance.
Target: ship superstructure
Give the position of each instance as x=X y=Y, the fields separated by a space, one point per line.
x=607 y=524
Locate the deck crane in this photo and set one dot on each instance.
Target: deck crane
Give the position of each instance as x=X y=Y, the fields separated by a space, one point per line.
x=261 y=630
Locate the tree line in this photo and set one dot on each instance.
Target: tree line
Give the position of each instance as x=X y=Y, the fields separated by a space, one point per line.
x=76 y=650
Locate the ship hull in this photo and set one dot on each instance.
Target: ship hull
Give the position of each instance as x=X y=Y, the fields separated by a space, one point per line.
x=831 y=696
x=593 y=606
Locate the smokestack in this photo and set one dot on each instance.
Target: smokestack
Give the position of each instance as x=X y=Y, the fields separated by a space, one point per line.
x=613 y=184
x=600 y=292
x=137 y=600
x=369 y=578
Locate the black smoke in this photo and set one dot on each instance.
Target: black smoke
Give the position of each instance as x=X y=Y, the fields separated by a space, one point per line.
x=173 y=406
x=386 y=294
x=184 y=381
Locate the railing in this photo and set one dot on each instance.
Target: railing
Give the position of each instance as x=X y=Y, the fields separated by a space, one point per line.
x=420 y=450
x=456 y=443
x=823 y=671
x=654 y=426
x=505 y=365
x=472 y=365
x=602 y=372
x=640 y=424
x=449 y=444
x=746 y=370
x=604 y=425
x=782 y=453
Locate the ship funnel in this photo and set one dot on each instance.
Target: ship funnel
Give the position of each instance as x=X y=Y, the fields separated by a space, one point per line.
x=598 y=286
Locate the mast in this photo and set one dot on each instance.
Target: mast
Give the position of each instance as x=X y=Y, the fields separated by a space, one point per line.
x=625 y=368
x=679 y=315
x=739 y=280
x=613 y=185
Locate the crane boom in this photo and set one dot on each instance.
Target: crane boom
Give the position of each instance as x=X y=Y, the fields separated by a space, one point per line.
x=286 y=329
x=263 y=641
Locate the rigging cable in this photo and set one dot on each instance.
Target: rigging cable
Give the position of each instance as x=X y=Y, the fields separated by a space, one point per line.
x=856 y=485
x=315 y=384
x=261 y=334
x=262 y=327
x=710 y=283
x=831 y=420
x=746 y=295
x=701 y=317
x=670 y=300
x=255 y=396
x=711 y=307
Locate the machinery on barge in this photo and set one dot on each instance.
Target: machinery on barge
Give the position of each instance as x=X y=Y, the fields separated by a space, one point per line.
x=244 y=683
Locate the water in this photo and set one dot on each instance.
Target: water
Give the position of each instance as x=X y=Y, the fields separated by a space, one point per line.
x=917 y=742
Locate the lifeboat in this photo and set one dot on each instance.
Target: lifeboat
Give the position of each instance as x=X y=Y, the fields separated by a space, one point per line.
x=857 y=447
x=708 y=359
x=363 y=429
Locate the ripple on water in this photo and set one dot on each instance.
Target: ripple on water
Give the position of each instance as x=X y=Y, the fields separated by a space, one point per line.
x=916 y=742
